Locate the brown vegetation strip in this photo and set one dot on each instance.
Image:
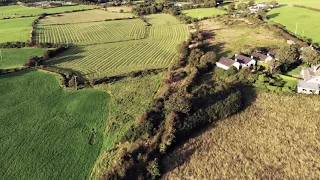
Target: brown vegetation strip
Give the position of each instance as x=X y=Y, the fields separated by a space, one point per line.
x=276 y=137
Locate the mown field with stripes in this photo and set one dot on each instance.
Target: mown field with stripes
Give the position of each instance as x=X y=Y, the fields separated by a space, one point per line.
x=156 y=50
x=91 y=32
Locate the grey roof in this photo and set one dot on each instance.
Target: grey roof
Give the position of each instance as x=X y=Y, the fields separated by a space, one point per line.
x=308 y=73
x=226 y=61
x=259 y=56
x=242 y=59
x=307 y=85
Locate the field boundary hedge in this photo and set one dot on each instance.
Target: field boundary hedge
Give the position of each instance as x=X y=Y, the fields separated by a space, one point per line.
x=305 y=7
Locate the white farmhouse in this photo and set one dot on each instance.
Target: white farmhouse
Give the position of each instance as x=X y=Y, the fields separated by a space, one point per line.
x=226 y=63
x=260 y=57
x=311 y=80
x=244 y=60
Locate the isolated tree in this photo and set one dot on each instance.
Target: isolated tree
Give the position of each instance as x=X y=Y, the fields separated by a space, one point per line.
x=288 y=53
x=242 y=6
x=231 y=7
x=310 y=56
x=251 y=3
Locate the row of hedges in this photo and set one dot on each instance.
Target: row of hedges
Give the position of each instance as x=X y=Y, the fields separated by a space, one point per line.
x=310 y=8
x=176 y=112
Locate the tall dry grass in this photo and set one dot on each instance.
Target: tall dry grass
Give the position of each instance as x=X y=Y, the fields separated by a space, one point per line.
x=277 y=137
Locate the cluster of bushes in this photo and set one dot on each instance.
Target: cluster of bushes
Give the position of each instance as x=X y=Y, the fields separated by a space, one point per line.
x=274 y=83
x=133 y=74
x=15 y=44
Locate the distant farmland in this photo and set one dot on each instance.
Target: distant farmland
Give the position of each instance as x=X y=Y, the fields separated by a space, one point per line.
x=83 y=16
x=45 y=130
x=15 y=29
x=92 y=32
x=16 y=11
x=12 y=58
x=157 y=50
x=308 y=21
x=203 y=12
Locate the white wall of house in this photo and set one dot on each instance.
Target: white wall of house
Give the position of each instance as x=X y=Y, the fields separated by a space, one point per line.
x=307 y=91
x=249 y=64
x=222 y=66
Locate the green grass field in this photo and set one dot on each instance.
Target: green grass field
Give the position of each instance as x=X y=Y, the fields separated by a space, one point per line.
x=15 y=29
x=45 y=130
x=13 y=11
x=92 y=32
x=84 y=16
x=157 y=50
x=12 y=58
x=308 y=21
x=203 y=12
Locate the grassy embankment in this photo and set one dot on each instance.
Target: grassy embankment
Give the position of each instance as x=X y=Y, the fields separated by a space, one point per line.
x=130 y=97
x=45 y=130
x=275 y=137
x=12 y=58
x=308 y=21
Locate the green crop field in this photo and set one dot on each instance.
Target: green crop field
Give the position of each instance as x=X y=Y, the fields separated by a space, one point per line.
x=308 y=21
x=84 y=16
x=15 y=29
x=13 y=11
x=12 y=58
x=157 y=50
x=92 y=32
x=203 y=12
x=46 y=131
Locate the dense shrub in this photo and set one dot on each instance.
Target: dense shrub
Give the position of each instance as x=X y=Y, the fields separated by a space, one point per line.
x=32 y=61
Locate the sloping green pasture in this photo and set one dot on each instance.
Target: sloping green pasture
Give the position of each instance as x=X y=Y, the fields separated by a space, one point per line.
x=15 y=29
x=45 y=130
x=12 y=58
x=308 y=21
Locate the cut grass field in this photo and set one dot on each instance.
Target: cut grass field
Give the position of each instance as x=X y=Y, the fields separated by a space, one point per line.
x=15 y=29
x=130 y=97
x=307 y=3
x=203 y=12
x=157 y=50
x=12 y=58
x=45 y=130
x=13 y=11
x=277 y=137
x=308 y=21
x=92 y=32
x=239 y=38
x=83 y=16
x=118 y=8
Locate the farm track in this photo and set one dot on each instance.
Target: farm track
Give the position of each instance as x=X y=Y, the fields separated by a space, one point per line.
x=118 y=48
